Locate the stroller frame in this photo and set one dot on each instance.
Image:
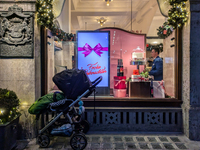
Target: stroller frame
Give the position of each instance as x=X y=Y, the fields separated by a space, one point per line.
x=66 y=111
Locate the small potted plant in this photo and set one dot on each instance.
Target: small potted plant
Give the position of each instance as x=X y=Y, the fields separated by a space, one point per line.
x=9 y=118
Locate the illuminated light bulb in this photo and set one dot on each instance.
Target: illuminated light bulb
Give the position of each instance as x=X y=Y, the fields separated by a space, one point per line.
x=1 y=111
x=108 y=3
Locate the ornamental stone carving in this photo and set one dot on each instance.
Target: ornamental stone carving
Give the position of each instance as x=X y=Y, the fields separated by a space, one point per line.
x=16 y=33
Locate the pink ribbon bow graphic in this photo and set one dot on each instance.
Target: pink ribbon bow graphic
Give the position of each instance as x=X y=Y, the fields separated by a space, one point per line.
x=88 y=49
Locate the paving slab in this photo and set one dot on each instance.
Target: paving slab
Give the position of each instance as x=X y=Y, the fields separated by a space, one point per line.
x=119 y=141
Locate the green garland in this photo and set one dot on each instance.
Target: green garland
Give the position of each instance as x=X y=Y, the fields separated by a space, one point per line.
x=45 y=18
x=172 y=2
x=165 y=30
x=177 y=15
x=159 y=46
x=45 y=14
x=63 y=36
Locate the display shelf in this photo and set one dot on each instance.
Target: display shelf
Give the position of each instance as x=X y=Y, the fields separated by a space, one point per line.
x=111 y=101
x=137 y=62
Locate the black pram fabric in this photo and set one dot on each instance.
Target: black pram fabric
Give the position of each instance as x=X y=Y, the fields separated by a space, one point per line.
x=72 y=82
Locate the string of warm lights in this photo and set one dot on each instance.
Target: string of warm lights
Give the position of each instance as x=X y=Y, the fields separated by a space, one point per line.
x=177 y=15
x=45 y=18
x=9 y=106
x=45 y=14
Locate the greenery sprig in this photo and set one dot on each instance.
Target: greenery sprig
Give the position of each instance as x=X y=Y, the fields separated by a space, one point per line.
x=45 y=17
x=151 y=46
x=63 y=36
x=177 y=15
x=165 y=30
x=9 y=103
x=172 y=2
x=45 y=14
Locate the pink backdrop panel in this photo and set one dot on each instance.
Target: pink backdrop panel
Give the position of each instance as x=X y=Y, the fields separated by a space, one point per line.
x=122 y=44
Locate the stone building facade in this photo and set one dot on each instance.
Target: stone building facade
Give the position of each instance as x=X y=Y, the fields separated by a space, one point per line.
x=22 y=74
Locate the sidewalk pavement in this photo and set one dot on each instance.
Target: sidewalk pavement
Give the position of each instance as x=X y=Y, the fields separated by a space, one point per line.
x=121 y=141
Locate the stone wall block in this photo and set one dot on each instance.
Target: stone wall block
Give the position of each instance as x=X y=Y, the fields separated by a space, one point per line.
x=194 y=93
x=194 y=123
x=195 y=68
x=10 y=85
x=194 y=35
x=185 y=113
x=26 y=89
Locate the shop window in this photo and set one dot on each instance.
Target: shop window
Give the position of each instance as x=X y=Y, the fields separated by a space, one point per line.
x=129 y=49
x=126 y=47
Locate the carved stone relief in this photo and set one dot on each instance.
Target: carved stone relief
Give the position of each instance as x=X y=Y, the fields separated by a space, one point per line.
x=16 y=33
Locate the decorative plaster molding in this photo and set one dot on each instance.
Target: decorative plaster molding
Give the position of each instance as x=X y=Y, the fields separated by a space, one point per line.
x=16 y=33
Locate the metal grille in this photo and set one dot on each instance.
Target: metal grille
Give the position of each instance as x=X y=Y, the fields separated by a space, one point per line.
x=162 y=119
x=130 y=119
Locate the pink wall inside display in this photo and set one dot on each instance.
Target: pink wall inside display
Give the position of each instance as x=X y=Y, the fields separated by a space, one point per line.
x=122 y=44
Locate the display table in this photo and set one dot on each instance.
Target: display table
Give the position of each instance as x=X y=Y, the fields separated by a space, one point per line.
x=139 y=89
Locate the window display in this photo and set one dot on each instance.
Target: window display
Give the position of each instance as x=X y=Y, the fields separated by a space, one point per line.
x=93 y=56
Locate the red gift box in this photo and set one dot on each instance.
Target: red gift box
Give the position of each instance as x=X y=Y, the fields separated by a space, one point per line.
x=136 y=72
x=119 y=82
x=164 y=31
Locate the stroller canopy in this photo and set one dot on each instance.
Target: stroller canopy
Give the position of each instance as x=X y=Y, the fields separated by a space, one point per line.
x=72 y=82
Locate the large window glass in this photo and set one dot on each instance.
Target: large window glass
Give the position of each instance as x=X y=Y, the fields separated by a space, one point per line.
x=137 y=70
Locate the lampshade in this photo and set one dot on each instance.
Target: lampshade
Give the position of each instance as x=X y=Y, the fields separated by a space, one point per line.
x=164 y=6
x=101 y=21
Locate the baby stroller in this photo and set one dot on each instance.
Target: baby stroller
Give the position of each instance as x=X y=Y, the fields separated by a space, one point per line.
x=73 y=83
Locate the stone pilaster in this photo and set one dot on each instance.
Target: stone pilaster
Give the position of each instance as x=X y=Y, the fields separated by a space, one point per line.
x=191 y=71
x=186 y=74
x=22 y=75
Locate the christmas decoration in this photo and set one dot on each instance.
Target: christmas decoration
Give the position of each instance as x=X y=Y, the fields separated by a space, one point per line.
x=159 y=46
x=45 y=14
x=8 y=105
x=177 y=15
x=171 y=2
x=165 y=30
x=63 y=36
x=45 y=18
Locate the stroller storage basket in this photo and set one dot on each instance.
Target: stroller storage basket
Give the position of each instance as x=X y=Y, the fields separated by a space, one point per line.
x=72 y=82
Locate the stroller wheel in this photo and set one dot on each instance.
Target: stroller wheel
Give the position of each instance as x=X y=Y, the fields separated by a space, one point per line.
x=78 y=141
x=86 y=126
x=43 y=141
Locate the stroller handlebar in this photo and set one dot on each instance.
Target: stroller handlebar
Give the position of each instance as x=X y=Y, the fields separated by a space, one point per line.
x=96 y=82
